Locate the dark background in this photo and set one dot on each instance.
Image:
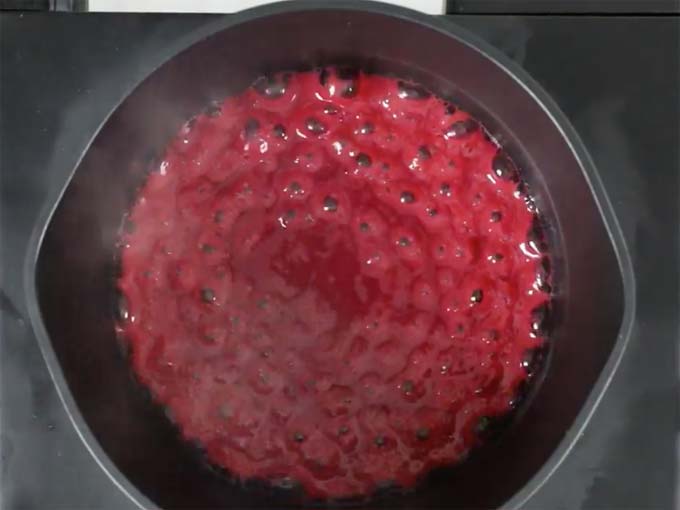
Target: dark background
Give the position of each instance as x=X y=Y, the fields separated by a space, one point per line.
x=617 y=79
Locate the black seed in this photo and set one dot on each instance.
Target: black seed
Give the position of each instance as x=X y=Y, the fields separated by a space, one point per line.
x=363 y=227
x=314 y=126
x=450 y=109
x=279 y=131
x=445 y=189
x=431 y=212
x=424 y=152
x=219 y=216
x=407 y=197
x=343 y=430
x=379 y=440
x=404 y=242
x=411 y=91
x=363 y=159
x=504 y=168
x=461 y=128
x=207 y=295
x=496 y=216
x=476 y=296
x=407 y=387
x=423 y=433
x=265 y=354
x=214 y=109
x=298 y=437
x=251 y=127
x=262 y=303
x=366 y=129
x=209 y=338
x=330 y=204
x=385 y=167
x=207 y=248
x=270 y=86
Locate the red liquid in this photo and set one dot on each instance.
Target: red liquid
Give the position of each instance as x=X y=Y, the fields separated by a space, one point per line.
x=330 y=281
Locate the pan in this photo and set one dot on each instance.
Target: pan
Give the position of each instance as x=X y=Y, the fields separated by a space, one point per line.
x=70 y=277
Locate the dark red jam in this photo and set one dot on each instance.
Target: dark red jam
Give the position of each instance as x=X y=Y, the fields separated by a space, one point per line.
x=329 y=280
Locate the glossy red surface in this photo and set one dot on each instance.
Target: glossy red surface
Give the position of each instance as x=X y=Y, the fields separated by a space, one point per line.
x=329 y=280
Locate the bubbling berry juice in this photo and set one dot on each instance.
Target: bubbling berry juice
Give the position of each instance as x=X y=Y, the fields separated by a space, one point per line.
x=329 y=281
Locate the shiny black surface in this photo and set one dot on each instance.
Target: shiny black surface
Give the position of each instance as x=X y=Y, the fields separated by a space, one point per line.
x=625 y=458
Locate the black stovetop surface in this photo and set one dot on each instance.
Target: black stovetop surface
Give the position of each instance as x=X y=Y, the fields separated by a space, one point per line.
x=616 y=78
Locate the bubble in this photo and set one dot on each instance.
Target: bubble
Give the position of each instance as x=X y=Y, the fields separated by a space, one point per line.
x=540 y=319
x=407 y=387
x=366 y=129
x=323 y=76
x=330 y=110
x=271 y=87
x=424 y=152
x=423 y=433
x=363 y=159
x=280 y=131
x=504 y=168
x=483 y=424
x=251 y=127
x=214 y=109
x=349 y=75
x=411 y=91
x=294 y=188
x=208 y=295
x=330 y=204
x=461 y=128
x=314 y=126
x=122 y=310
x=407 y=197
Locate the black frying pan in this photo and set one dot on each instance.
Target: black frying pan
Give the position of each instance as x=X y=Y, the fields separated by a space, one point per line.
x=70 y=280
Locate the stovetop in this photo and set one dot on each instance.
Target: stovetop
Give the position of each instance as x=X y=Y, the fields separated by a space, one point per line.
x=616 y=78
